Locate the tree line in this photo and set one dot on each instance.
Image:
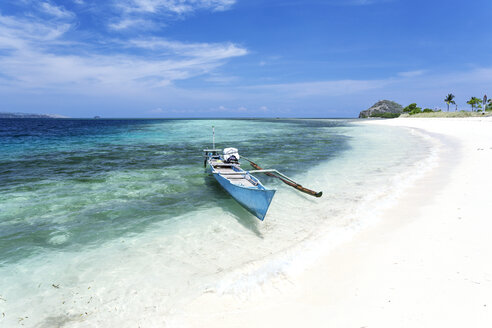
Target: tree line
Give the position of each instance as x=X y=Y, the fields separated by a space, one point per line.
x=474 y=102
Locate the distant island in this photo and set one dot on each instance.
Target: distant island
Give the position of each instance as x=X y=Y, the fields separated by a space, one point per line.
x=29 y=115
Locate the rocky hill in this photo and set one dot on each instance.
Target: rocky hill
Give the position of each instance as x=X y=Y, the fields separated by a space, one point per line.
x=381 y=109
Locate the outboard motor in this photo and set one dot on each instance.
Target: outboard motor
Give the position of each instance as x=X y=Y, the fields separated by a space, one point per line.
x=231 y=155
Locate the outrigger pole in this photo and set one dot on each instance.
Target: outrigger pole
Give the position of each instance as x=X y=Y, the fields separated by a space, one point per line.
x=285 y=179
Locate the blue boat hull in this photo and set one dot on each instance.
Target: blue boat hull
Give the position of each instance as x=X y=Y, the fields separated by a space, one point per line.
x=256 y=200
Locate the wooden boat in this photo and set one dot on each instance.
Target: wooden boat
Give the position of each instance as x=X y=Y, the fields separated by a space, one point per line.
x=245 y=188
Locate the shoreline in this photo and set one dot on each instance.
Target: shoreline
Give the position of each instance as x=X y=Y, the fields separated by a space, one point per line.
x=424 y=263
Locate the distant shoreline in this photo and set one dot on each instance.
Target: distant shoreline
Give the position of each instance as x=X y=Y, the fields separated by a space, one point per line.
x=30 y=115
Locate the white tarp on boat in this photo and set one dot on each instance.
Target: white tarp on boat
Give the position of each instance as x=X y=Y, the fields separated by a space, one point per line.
x=228 y=152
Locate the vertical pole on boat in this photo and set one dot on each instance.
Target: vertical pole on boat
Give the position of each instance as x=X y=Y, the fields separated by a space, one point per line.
x=213 y=137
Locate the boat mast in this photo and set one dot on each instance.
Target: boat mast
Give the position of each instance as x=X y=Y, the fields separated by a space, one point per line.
x=213 y=137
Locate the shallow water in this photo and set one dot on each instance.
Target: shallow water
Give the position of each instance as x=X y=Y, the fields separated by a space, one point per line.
x=114 y=221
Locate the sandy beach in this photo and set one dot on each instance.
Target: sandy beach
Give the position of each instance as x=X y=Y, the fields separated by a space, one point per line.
x=424 y=263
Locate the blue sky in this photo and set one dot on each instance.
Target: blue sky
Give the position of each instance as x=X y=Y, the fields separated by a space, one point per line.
x=240 y=58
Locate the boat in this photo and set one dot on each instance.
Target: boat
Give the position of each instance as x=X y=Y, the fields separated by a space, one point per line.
x=245 y=188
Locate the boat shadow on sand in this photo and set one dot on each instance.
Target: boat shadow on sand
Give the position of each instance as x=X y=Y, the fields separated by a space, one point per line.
x=229 y=205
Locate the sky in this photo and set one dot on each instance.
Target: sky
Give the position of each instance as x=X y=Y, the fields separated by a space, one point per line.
x=240 y=58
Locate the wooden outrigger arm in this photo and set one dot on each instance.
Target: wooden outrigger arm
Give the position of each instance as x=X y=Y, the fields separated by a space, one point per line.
x=285 y=179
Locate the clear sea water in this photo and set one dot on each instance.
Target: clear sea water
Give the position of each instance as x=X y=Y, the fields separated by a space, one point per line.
x=115 y=223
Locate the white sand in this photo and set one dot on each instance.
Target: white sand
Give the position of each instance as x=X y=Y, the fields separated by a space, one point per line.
x=427 y=263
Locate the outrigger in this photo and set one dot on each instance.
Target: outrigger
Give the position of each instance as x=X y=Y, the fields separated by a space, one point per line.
x=245 y=188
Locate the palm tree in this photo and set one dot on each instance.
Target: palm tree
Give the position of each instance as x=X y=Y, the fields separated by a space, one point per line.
x=449 y=100
x=474 y=101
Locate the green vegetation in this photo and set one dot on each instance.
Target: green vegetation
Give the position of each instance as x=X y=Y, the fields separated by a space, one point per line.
x=479 y=108
x=489 y=105
x=449 y=100
x=474 y=102
x=412 y=108
x=449 y=114
x=386 y=115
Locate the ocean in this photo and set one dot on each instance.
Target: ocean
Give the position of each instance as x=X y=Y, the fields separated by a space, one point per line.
x=114 y=222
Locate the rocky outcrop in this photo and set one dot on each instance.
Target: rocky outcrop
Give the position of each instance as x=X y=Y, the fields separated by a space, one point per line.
x=381 y=109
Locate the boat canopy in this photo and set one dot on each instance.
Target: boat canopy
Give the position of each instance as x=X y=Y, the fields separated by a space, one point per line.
x=228 y=152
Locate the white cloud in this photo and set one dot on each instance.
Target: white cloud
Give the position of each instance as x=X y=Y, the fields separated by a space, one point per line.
x=174 y=6
x=135 y=23
x=427 y=90
x=212 y=51
x=33 y=62
x=156 y=111
x=155 y=12
x=56 y=11
x=404 y=85
x=16 y=32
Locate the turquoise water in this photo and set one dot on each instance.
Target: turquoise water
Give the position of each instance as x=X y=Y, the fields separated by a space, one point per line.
x=102 y=219
x=71 y=183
